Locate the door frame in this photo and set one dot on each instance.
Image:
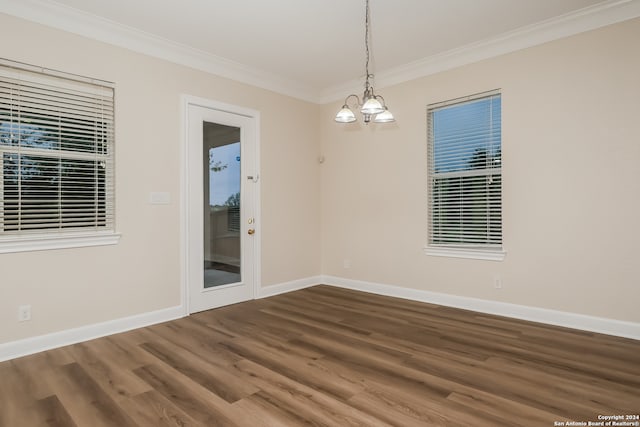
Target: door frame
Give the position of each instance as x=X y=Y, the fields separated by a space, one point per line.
x=185 y=178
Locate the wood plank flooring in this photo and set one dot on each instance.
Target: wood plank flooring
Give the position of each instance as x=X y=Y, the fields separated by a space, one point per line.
x=325 y=356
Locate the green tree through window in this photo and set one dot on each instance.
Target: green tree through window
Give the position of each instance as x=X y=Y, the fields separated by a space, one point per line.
x=465 y=160
x=55 y=154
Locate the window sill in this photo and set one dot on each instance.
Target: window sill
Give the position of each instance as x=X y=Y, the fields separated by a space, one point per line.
x=41 y=242
x=483 y=254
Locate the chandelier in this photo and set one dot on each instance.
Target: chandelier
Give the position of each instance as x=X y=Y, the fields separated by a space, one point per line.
x=372 y=106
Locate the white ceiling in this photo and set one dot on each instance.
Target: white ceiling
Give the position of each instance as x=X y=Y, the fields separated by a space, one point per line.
x=314 y=49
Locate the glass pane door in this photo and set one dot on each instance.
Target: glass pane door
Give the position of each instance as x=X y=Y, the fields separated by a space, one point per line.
x=222 y=243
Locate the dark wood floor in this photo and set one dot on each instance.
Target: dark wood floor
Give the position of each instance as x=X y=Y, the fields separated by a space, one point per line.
x=327 y=356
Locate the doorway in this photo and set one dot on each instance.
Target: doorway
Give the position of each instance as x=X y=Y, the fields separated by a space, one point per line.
x=222 y=189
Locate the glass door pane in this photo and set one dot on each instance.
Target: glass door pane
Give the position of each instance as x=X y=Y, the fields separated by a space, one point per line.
x=221 y=204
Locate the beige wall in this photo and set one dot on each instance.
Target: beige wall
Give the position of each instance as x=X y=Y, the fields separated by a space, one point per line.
x=571 y=150
x=75 y=287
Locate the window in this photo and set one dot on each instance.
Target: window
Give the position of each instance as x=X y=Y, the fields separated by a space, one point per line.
x=56 y=159
x=465 y=177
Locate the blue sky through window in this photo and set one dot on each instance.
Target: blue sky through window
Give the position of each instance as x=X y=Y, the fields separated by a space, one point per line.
x=226 y=182
x=462 y=130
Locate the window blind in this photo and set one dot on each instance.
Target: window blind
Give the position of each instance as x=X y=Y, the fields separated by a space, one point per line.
x=465 y=172
x=56 y=152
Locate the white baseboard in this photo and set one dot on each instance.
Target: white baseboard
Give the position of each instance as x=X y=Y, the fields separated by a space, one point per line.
x=583 y=322
x=24 y=347
x=294 y=285
x=552 y=317
x=27 y=346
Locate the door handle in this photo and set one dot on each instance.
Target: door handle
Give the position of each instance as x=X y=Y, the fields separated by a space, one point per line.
x=251 y=231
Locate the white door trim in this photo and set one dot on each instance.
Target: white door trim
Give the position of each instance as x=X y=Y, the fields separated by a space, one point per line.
x=185 y=102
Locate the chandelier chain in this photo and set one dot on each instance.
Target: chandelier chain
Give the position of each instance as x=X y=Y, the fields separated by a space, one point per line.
x=366 y=42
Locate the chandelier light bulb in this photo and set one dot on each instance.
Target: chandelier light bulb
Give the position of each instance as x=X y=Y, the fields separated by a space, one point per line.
x=384 y=117
x=372 y=106
x=345 y=115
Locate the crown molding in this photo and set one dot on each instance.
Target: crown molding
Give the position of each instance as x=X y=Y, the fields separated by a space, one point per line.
x=586 y=19
x=65 y=18
x=72 y=20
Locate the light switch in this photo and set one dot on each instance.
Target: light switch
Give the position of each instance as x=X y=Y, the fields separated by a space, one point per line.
x=159 y=198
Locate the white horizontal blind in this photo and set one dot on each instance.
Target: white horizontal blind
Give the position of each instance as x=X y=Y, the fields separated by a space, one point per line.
x=56 y=152
x=465 y=177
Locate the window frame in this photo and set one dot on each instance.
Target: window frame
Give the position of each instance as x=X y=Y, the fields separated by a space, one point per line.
x=488 y=252
x=73 y=236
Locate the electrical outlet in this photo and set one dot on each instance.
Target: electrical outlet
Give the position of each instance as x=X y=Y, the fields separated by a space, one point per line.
x=346 y=263
x=497 y=282
x=24 y=313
